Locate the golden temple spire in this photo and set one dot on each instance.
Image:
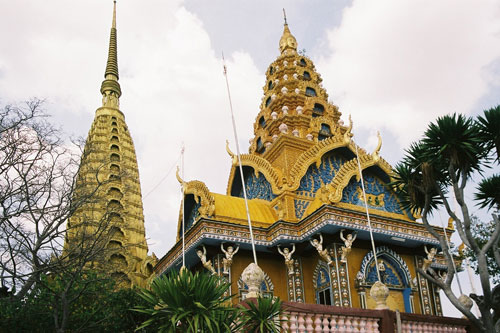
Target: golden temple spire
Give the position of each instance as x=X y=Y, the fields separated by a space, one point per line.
x=110 y=88
x=287 y=40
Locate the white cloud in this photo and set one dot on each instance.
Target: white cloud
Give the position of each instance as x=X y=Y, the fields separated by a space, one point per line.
x=399 y=64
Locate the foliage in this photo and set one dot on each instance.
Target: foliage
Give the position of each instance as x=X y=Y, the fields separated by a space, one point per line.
x=482 y=233
x=263 y=315
x=453 y=150
x=187 y=302
x=100 y=307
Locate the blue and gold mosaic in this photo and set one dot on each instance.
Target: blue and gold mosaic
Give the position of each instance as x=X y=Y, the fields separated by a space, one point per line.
x=377 y=194
x=316 y=177
x=257 y=187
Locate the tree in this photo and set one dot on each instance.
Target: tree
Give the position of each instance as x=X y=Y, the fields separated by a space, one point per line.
x=100 y=307
x=453 y=149
x=39 y=191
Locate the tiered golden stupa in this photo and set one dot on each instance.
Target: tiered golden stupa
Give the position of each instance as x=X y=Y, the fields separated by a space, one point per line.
x=109 y=155
x=305 y=198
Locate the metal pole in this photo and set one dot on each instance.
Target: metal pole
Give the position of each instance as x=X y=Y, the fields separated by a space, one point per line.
x=239 y=162
x=367 y=214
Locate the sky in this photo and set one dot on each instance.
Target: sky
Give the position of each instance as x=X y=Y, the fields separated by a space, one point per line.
x=394 y=65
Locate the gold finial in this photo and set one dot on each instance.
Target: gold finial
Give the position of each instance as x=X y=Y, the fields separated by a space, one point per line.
x=110 y=88
x=287 y=40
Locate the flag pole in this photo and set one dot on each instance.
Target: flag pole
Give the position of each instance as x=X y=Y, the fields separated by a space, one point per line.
x=239 y=162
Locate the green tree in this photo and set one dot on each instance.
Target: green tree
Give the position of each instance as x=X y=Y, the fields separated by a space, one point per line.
x=99 y=307
x=453 y=149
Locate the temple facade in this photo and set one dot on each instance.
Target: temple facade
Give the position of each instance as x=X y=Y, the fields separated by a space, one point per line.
x=307 y=208
x=114 y=213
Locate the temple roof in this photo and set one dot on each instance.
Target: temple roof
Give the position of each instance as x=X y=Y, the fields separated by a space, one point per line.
x=232 y=209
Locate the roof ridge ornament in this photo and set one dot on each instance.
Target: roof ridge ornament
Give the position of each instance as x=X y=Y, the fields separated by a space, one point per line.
x=375 y=154
x=348 y=134
x=234 y=158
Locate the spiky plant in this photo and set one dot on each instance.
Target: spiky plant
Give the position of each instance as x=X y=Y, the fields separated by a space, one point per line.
x=263 y=316
x=187 y=302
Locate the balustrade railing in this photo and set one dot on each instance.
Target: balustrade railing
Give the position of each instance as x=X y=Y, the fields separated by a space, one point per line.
x=301 y=318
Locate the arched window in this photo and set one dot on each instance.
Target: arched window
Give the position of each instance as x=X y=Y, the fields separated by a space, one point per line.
x=115 y=218
x=114 y=245
x=115 y=205
x=310 y=92
x=113 y=118
x=114 y=130
x=322 y=284
x=318 y=110
x=394 y=273
x=114 y=123
x=114 y=138
x=268 y=101
x=260 y=146
x=262 y=122
x=306 y=76
x=114 y=168
x=270 y=85
x=115 y=148
x=324 y=132
x=116 y=233
x=115 y=193
x=118 y=260
x=271 y=70
x=302 y=62
x=115 y=157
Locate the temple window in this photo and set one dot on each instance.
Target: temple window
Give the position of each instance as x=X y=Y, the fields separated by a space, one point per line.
x=262 y=122
x=323 y=286
x=271 y=70
x=114 y=130
x=113 y=118
x=270 y=85
x=310 y=92
x=114 y=138
x=318 y=110
x=302 y=62
x=268 y=101
x=115 y=157
x=306 y=76
x=114 y=123
x=324 y=132
x=115 y=148
x=260 y=146
x=114 y=168
x=114 y=205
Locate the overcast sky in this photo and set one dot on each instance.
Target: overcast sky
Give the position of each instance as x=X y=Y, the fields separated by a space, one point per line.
x=394 y=65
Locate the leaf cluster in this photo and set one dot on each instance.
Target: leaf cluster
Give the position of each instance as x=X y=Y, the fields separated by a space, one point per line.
x=187 y=302
x=451 y=150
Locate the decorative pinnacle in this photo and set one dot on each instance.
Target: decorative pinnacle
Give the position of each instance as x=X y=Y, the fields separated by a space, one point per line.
x=112 y=65
x=284 y=16
x=111 y=76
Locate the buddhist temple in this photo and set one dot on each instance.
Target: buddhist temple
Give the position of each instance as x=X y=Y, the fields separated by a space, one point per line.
x=306 y=207
x=109 y=160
